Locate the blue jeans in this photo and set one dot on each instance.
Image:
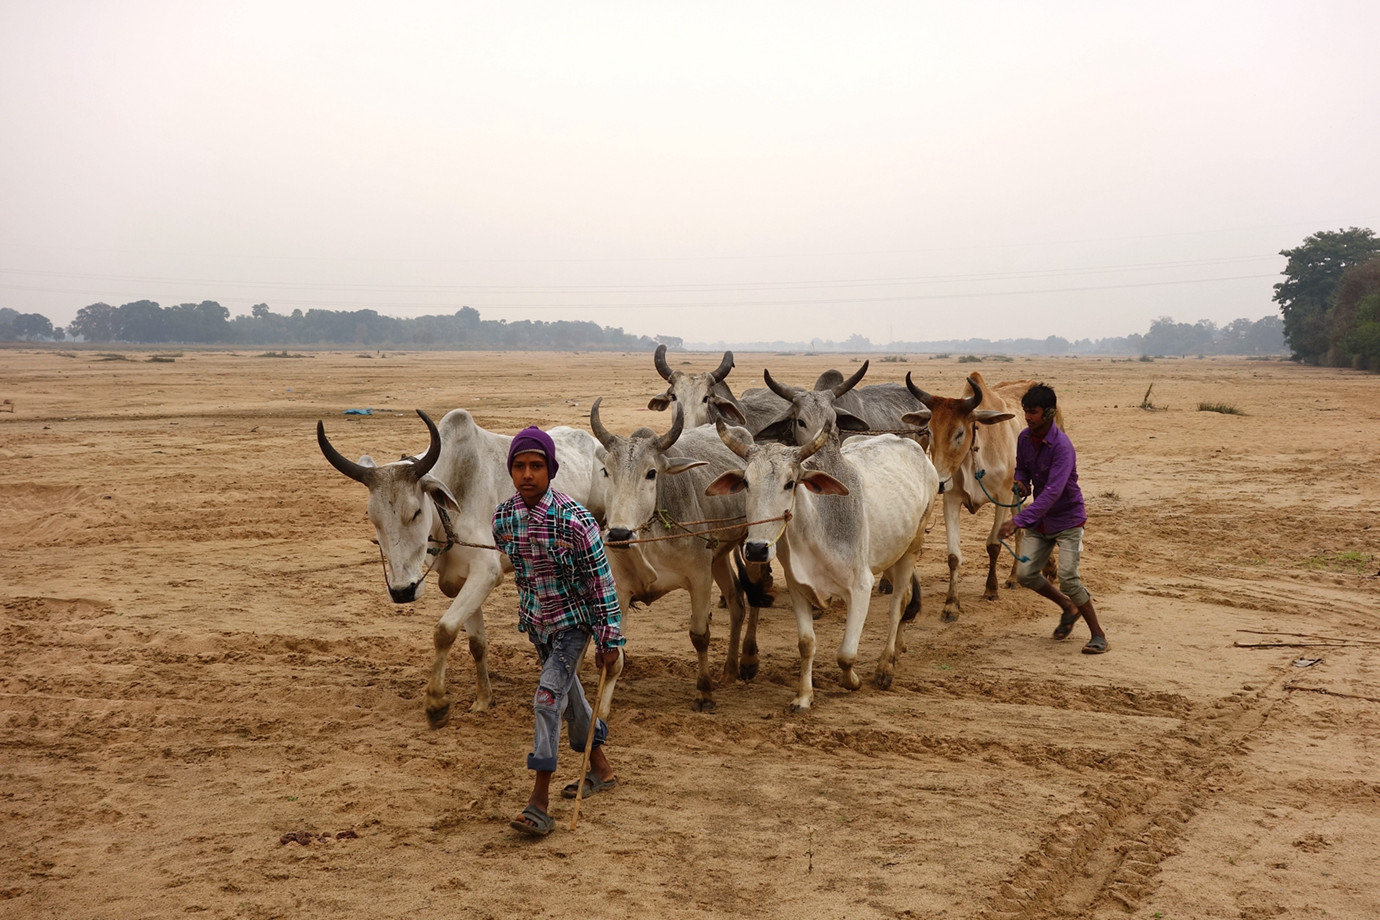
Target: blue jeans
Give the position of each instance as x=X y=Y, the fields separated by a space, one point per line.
x=559 y=692
x=1038 y=546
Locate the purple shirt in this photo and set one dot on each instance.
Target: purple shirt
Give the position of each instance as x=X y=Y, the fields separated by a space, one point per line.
x=1050 y=466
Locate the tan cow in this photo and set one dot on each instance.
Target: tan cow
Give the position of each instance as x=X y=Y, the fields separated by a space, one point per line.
x=973 y=447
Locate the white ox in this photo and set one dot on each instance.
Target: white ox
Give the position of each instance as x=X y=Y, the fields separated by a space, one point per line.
x=435 y=511
x=694 y=393
x=976 y=466
x=655 y=506
x=854 y=513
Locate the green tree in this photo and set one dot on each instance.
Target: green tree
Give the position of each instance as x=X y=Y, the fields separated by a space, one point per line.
x=1312 y=274
x=94 y=323
x=1354 y=326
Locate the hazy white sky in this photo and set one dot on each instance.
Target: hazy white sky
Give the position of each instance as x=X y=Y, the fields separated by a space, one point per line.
x=717 y=171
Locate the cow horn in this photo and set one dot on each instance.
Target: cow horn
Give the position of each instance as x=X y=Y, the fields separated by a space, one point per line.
x=850 y=382
x=780 y=389
x=726 y=365
x=603 y=434
x=732 y=439
x=433 y=453
x=819 y=440
x=918 y=393
x=659 y=359
x=356 y=471
x=664 y=442
x=972 y=402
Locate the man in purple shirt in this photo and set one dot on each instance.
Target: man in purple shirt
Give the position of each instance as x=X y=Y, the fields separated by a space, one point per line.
x=1047 y=468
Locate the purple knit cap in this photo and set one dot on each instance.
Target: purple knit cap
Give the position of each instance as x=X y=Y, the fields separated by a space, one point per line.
x=534 y=438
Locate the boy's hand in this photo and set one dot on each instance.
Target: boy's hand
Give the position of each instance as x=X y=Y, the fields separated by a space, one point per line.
x=1007 y=529
x=606 y=658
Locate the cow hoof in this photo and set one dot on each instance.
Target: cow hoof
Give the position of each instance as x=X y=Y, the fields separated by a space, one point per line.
x=798 y=706
x=950 y=616
x=747 y=671
x=882 y=681
x=850 y=680
x=439 y=716
x=703 y=706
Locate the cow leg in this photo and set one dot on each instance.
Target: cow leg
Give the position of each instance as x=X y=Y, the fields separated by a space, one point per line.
x=805 y=630
x=731 y=592
x=466 y=610
x=952 y=607
x=886 y=665
x=993 y=551
x=748 y=663
x=700 y=597
x=605 y=701
x=859 y=597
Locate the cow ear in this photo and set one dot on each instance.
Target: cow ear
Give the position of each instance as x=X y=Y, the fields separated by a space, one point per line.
x=727 y=411
x=440 y=494
x=821 y=483
x=681 y=464
x=367 y=460
x=847 y=421
x=992 y=416
x=660 y=403
x=727 y=484
x=601 y=454
x=783 y=429
x=919 y=418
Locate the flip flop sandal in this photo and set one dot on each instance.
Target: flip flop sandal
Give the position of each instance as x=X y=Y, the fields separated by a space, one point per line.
x=593 y=784
x=533 y=821
x=1096 y=646
x=1066 y=623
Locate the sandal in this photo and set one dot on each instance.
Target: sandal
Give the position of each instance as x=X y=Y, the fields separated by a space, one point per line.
x=1096 y=646
x=592 y=785
x=1066 y=622
x=533 y=821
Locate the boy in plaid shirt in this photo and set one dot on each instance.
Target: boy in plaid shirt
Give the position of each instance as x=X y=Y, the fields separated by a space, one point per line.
x=566 y=597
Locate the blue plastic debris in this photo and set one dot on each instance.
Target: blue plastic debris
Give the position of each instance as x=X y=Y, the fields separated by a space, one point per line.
x=358 y=412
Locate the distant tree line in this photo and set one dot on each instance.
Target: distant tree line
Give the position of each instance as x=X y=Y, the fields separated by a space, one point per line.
x=144 y=322
x=1263 y=336
x=1330 y=299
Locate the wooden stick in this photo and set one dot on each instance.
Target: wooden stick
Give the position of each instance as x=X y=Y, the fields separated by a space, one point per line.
x=589 y=747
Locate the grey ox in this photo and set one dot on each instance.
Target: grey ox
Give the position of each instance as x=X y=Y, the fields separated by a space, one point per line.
x=696 y=394
x=855 y=512
x=435 y=511
x=656 y=506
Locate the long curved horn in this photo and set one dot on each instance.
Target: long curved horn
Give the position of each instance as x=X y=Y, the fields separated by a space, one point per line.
x=433 y=453
x=850 y=382
x=819 y=440
x=780 y=389
x=733 y=439
x=972 y=402
x=659 y=359
x=918 y=393
x=603 y=434
x=356 y=471
x=664 y=442
x=726 y=365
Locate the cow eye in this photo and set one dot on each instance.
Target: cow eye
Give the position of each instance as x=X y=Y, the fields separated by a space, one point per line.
x=790 y=484
x=605 y=471
x=416 y=514
x=673 y=397
x=800 y=422
x=651 y=474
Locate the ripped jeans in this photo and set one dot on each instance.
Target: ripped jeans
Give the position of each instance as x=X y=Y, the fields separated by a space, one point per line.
x=559 y=692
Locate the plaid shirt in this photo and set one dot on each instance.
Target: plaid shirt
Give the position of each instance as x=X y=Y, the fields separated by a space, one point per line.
x=562 y=574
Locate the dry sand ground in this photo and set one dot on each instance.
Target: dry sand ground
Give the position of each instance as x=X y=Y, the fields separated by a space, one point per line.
x=199 y=658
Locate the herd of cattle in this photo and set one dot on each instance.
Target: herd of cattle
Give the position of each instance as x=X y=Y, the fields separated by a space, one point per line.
x=836 y=483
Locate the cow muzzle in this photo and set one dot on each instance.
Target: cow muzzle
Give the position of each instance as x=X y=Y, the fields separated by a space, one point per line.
x=619 y=537
x=757 y=551
x=406 y=594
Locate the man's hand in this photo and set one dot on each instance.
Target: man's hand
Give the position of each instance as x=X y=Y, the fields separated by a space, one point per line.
x=1007 y=529
x=1021 y=489
x=606 y=658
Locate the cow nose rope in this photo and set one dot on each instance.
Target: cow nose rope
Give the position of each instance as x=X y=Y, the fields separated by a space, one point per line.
x=1020 y=500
